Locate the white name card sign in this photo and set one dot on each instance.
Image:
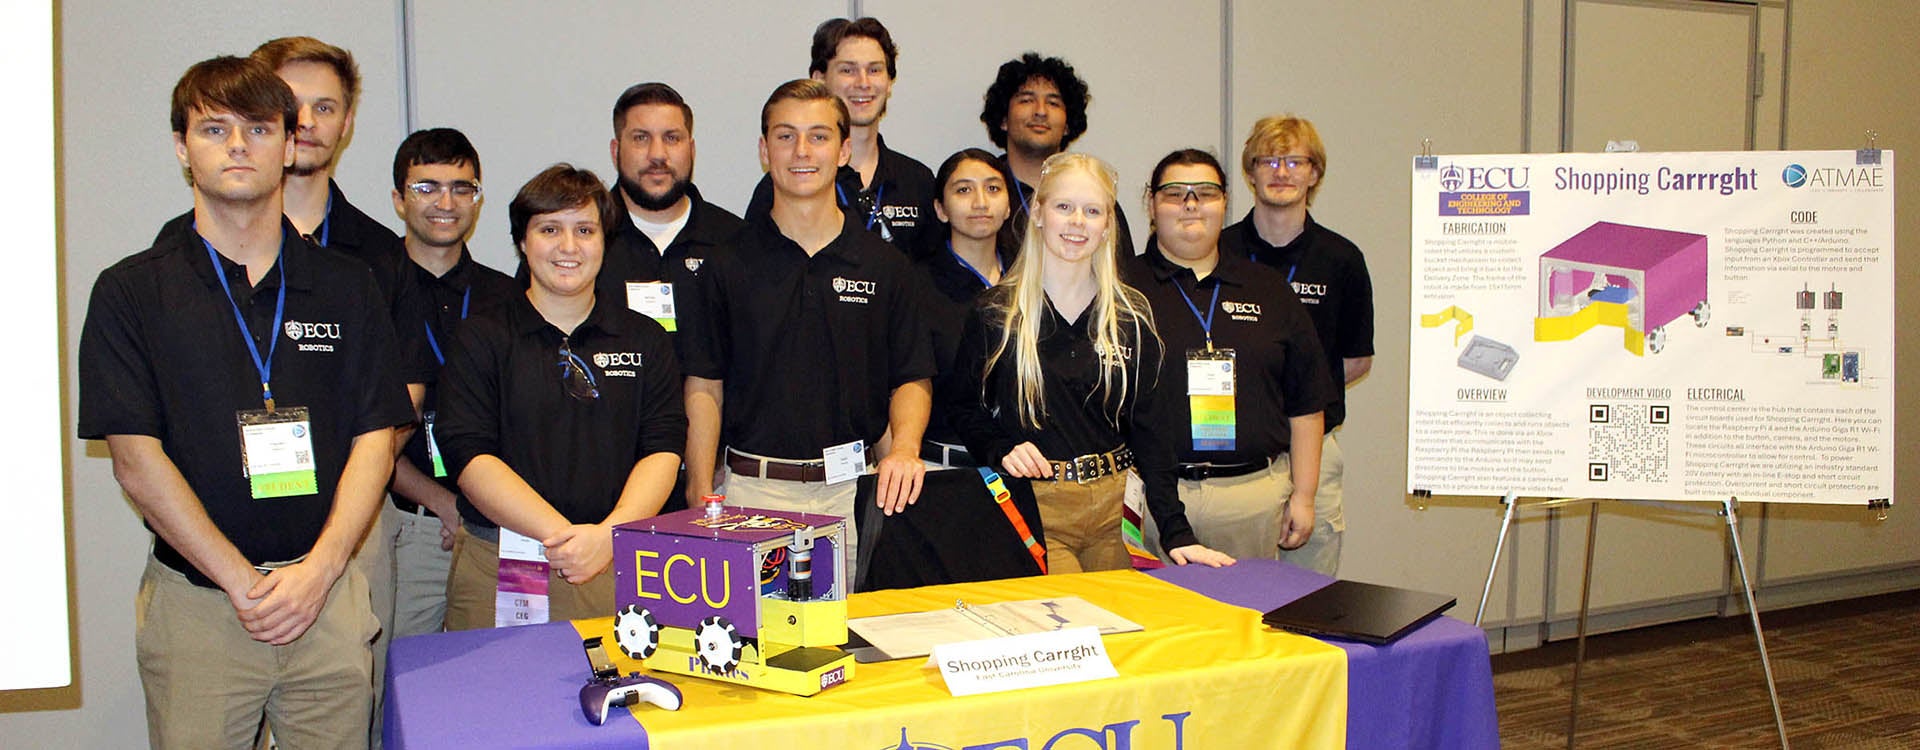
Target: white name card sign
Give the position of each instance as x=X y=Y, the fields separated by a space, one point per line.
x=1016 y=662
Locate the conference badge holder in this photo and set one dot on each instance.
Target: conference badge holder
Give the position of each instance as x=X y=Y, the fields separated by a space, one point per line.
x=653 y=299
x=521 y=596
x=433 y=447
x=1210 y=398
x=276 y=452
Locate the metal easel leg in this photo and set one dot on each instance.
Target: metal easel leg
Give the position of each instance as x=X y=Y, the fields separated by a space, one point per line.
x=1506 y=523
x=1753 y=612
x=1580 y=643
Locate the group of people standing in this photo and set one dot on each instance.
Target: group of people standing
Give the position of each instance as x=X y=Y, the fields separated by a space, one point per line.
x=867 y=315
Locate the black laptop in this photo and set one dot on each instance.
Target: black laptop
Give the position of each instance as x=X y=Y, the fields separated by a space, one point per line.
x=1358 y=611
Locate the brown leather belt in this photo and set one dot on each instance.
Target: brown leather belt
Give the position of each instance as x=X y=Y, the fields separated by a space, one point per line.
x=1084 y=469
x=786 y=471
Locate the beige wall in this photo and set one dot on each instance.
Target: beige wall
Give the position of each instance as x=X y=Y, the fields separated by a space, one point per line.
x=1376 y=77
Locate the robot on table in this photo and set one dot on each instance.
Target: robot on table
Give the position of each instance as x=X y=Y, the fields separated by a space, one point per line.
x=1638 y=279
x=749 y=596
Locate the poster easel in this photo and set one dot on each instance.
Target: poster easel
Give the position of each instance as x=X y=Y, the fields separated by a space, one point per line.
x=1726 y=508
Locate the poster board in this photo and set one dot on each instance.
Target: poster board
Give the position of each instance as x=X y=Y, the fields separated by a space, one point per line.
x=1672 y=326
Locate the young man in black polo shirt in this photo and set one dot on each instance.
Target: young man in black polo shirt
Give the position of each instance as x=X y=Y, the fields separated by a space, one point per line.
x=887 y=192
x=811 y=345
x=242 y=380
x=1249 y=383
x=437 y=193
x=1284 y=161
x=561 y=414
x=1037 y=107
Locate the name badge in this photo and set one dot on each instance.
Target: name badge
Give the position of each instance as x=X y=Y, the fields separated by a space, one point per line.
x=1210 y=398
x=433 y=447
x=521 y=597
x=846 y=461
x=276 y=452
x=653 y=299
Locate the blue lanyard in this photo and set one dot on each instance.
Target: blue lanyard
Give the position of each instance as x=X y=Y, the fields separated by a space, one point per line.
x=265 y=367
x=873 y=213
x=1290 y=270
x=326 y=220
x=1022 y=194
x=465 y=297
x=1206 y=323
x=970 y=269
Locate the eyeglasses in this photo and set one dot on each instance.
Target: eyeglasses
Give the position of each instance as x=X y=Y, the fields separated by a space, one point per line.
x=575 y=375
x=1292 y=162
x=1180 y=192
x=426 y=191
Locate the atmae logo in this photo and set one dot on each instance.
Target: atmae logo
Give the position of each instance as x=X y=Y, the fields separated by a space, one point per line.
x=1451 y=178
x=1794 y=175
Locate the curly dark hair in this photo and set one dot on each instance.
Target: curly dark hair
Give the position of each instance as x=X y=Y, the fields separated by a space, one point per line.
x=1014 y=74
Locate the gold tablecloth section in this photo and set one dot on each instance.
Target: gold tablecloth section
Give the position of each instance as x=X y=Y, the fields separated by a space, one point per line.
x=1203 y=675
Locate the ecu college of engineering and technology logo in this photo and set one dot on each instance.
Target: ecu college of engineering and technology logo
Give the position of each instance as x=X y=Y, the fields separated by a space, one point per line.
x=1484 y=191
x=1120 y=735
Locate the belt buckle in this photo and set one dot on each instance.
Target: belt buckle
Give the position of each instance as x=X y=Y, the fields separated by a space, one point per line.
x=1087 y=468
x=1194 y=472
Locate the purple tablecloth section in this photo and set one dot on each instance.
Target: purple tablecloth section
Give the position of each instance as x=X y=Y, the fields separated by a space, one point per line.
x=1433 y=688
x=519 y=687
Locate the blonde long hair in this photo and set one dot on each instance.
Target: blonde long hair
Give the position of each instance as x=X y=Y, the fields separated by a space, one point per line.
x=1115 y=307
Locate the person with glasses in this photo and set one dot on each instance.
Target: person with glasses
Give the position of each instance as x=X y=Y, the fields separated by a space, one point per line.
x=242 y=380
x=971 y=255
x=885 y=191
x=1035 y=108
x=437 y=194
x=810 y=346
x=1248 y=378
x=1059 y=379
x=561 y=415
x=1285 y=161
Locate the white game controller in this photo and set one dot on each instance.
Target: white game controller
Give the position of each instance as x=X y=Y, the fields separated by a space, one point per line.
x=608 y=689
x=598 y=698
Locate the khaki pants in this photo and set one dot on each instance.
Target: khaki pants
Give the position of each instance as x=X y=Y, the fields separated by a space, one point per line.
x=475 y=576
x=208 y=683
x=802 y=497
x=1241 y=516
x=1082 y=524
x=1322 y=551
x=419 y=574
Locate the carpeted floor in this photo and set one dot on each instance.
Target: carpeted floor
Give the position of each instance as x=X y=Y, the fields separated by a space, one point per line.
x=1848 y=674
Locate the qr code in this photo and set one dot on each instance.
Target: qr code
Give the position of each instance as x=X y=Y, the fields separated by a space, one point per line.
x=302 y=457
x=1627 y=442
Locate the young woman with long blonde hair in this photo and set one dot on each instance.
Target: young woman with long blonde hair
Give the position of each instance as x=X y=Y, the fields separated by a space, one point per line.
x=1057 y=373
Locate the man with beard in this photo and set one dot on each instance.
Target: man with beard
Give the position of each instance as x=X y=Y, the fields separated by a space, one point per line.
x=661 y=230
x=887 y=192
x=1036 y=108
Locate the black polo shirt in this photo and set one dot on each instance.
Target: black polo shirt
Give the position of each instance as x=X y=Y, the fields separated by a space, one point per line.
x=501 y=394
x=352 y=232
x=709 y=228
x=161 y=355
x=1279 y=368
x=810 y=348
x=1079 y=417
x=955 y=285
x=1020 y=219
x=897 y=207
x=1329 y=274
x=467 y=289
